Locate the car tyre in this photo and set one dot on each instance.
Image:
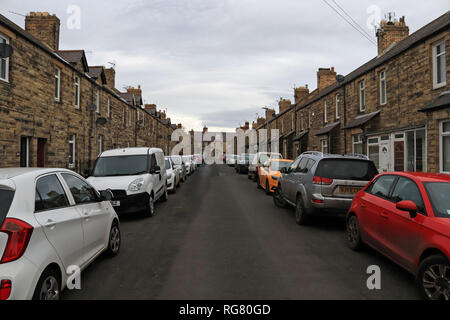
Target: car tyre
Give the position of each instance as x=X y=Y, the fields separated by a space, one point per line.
x=268 y=188
x=258 y=182
x=151 y=206
x=353 y=233
x=433 y=278
x=278 y=198
x=48 y=286
x=165 y=196
x=301 y=217
x=114 y=240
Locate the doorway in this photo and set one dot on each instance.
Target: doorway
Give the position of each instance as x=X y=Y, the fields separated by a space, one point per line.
x=25 y=152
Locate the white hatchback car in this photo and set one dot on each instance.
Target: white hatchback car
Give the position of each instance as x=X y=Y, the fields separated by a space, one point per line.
x=52 y=223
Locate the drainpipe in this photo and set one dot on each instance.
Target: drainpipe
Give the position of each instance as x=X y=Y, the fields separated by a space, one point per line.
x=341 y=80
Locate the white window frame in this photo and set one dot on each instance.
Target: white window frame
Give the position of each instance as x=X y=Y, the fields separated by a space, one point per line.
x=435 y=56
x=442 y=134
x=100 y=144
x=6 y=79
x=58 y=84
x=77 y=92
x=415 y=149
x=359 y=142
x=325 y=112
x=324 y=144
x=108 y=107
x=362 y=96
x=97 y=100
x=383 y=86
x=338 y=100
x=72 y=144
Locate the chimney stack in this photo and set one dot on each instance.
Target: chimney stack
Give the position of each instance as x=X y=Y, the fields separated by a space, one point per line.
x=301 y=93
x=110 y=75
x=44 y=27
x=151 y=108
x=284 y=104
x=391 y=32
x=270 y=113
x=325 y=77
x=180 y=126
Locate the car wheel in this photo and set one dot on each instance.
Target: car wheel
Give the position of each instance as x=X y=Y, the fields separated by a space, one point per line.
x=258 y=183
x=268 y=188
x=353 y=233
x=278 y=199
x=255 y=176
x=151 y=206
x=48 y=286
x=165 y=196
x=301 y=216
x=433 y=278
x=114 y=240
x=248 y=176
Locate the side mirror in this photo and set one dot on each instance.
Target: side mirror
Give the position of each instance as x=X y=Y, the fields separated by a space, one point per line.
x=106 y=195
x=408 y=206
x=156 y=170
x=284 y=170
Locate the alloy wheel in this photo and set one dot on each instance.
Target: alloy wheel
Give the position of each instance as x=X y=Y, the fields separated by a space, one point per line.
x=114 y=241
x=353 y=230
x=436 y=282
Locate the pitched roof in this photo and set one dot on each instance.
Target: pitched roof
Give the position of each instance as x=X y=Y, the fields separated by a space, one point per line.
x=362 y=120
x=74 y=57
x=301 y=135
x=435 y=26
x=97 y=72
x=442 y=101
x=328 y=128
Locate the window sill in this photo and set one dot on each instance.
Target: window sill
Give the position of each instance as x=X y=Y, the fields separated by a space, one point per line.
x=5 y=81
x=439 y=86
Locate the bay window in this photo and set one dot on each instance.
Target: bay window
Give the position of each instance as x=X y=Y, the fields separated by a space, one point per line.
x=445 y=146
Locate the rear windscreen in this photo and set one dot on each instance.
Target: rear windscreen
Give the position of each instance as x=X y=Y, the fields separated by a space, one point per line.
x=6 y=198
x=344 y=169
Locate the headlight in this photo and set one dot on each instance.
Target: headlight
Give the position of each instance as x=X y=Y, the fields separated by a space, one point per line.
x=169 y=176
x=136 y=185
x=275 y=178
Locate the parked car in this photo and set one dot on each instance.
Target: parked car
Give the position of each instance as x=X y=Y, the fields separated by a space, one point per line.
x=269 y=174
x=135 y=175
x=258 y=160
x=193 y=163
x=50 y=219
x=243 y=162
x=232 y=160
x=173 y=176
x=188 y=164
x=198 y=159
x=316 y=183
x=178 y=164
x=406 y=217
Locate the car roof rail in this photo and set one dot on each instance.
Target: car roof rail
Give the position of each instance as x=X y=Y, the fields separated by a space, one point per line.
x=314 y=153
x=358 y=155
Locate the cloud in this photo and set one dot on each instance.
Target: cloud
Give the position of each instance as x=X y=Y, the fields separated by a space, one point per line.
x=218 y=62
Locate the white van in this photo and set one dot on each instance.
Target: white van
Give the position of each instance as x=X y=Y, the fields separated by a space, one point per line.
x=136 y=177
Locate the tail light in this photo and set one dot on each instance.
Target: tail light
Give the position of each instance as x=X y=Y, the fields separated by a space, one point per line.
x=322 y=181
x=19 y=234
x=5 y=289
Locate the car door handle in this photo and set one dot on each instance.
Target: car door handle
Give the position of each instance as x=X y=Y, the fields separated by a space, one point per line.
x=384 y=214
x=50 y=224
x=363 y=206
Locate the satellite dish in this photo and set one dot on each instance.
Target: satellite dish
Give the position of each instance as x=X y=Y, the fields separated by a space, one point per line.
x=6 y=50
x=91 y=107
x=101 y=121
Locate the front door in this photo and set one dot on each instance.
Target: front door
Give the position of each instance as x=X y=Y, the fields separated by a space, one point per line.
x=25 y=152
x=385 y=154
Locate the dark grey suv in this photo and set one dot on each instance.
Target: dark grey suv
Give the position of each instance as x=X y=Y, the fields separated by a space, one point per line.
x=323 y=184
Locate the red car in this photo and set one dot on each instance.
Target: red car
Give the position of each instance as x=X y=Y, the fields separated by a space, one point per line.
x=406 y=217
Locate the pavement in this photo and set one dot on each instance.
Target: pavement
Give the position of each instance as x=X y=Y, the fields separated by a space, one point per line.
x=219 y=237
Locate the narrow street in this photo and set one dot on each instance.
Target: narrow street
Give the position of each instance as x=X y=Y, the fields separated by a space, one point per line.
x=219 y=237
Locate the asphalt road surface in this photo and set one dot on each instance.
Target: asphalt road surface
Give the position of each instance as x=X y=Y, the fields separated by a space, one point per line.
x=219 y=237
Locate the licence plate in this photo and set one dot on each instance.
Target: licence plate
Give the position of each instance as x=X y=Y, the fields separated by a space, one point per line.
x=349 y=190
x=115 y=203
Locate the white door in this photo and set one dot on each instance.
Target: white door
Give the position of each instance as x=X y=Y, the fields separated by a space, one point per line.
x=61 y=223
x=95 y=214
x=385 y=154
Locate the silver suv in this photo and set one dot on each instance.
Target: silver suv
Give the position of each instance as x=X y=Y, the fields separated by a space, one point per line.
x=323 y=184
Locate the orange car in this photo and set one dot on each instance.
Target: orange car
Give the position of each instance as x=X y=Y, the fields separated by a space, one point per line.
x=269 y=174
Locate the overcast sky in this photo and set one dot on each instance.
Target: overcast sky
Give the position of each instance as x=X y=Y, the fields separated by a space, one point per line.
x=219 y=62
